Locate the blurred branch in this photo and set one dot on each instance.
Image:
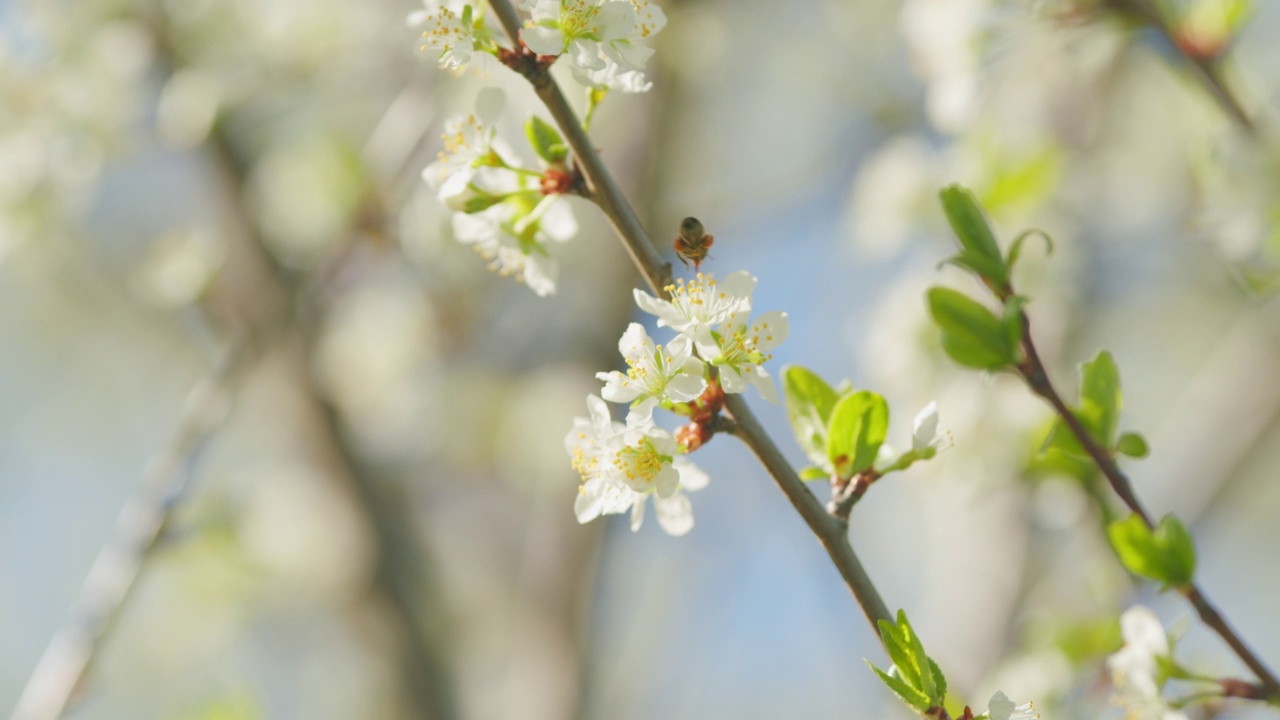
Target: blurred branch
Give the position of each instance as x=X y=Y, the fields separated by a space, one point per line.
x=141 y=524
x=1207 y=69
x=402 y=571
x=1037 y=378
x=604 y=191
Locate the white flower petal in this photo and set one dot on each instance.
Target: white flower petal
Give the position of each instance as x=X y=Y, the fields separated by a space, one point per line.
x=637 y=513
x=686 y=387
x=692 y=477
x=543 y=40
x=616 y=19
x=675 y=514
x=764 y=384
x=666 y=482
x=925 y=428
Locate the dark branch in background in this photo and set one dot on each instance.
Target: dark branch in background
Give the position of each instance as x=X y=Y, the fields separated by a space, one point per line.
x=1207 y=70
x=604 y=191
x=1037 y=378
x=141 y=524
x=402 y=572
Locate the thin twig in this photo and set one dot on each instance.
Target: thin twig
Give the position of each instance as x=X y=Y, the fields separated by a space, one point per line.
x=141 y=524
x=831 y=532
x=1207 y=70
x=1037 y=378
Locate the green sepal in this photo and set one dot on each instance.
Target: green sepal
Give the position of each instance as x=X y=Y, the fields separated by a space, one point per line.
x=545 y=140
x=858 y=427
x=971 y=334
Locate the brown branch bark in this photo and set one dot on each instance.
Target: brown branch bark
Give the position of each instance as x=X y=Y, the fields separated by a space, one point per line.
x=1037 y=378
x=604 y=191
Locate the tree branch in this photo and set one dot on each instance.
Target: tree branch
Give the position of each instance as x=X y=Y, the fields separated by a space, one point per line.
x=141 y=524
x=1037 y=378
x=832 y=533
x=1207 y=70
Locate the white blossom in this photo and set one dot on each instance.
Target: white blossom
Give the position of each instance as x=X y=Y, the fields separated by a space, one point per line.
x=699 y=305
x=1000 y=707
x=468 y=148
x=613 y=77
x=666 y=374
x=451 y=28
x=594 y=34
x=514 y=240
x=675 y=513
x=1135 y=668
x=740 y=348
x=924 y=432
x=621 y=466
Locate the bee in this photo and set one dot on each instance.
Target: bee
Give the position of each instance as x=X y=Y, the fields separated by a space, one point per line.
x=693 y=242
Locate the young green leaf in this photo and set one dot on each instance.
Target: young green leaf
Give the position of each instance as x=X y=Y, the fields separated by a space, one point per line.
x=1167 y=555
x=1015 y=250
x=971 y=334
x=1100 y=400
x=927 y=684
x=1133 y=445
x=545 y=140
x=858 y=426
x=814 y=472
x=809 y=402
x=981 y=254
x=914 y=699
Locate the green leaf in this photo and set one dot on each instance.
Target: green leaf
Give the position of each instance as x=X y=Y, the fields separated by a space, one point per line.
x=1015 y=250
x=927 y=685
x=1133 y=445
x=1061 y=438
x=1167 y=555
x=898 y=648
x=859 y=424
x=814 y=472
x=979 y=265
x=809 y=401
x=1100 y=400
x=545 y=140
x=939 y=681
x=974 y=232
x=971 y=334
x=909 y=695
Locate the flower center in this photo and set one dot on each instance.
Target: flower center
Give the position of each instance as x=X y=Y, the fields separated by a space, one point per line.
x=644 y=18
x=577 y=18
x=638 y=462
x=587 y=464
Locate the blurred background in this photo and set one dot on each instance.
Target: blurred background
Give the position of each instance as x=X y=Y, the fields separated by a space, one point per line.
x=375 y=518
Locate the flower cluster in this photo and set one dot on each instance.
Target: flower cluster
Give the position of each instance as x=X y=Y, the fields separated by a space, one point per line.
x=622 y=464
x=605 y=40
x=508 y=212
x=454 y=28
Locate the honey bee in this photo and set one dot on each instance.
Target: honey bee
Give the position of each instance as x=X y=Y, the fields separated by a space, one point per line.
x=693 y=242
